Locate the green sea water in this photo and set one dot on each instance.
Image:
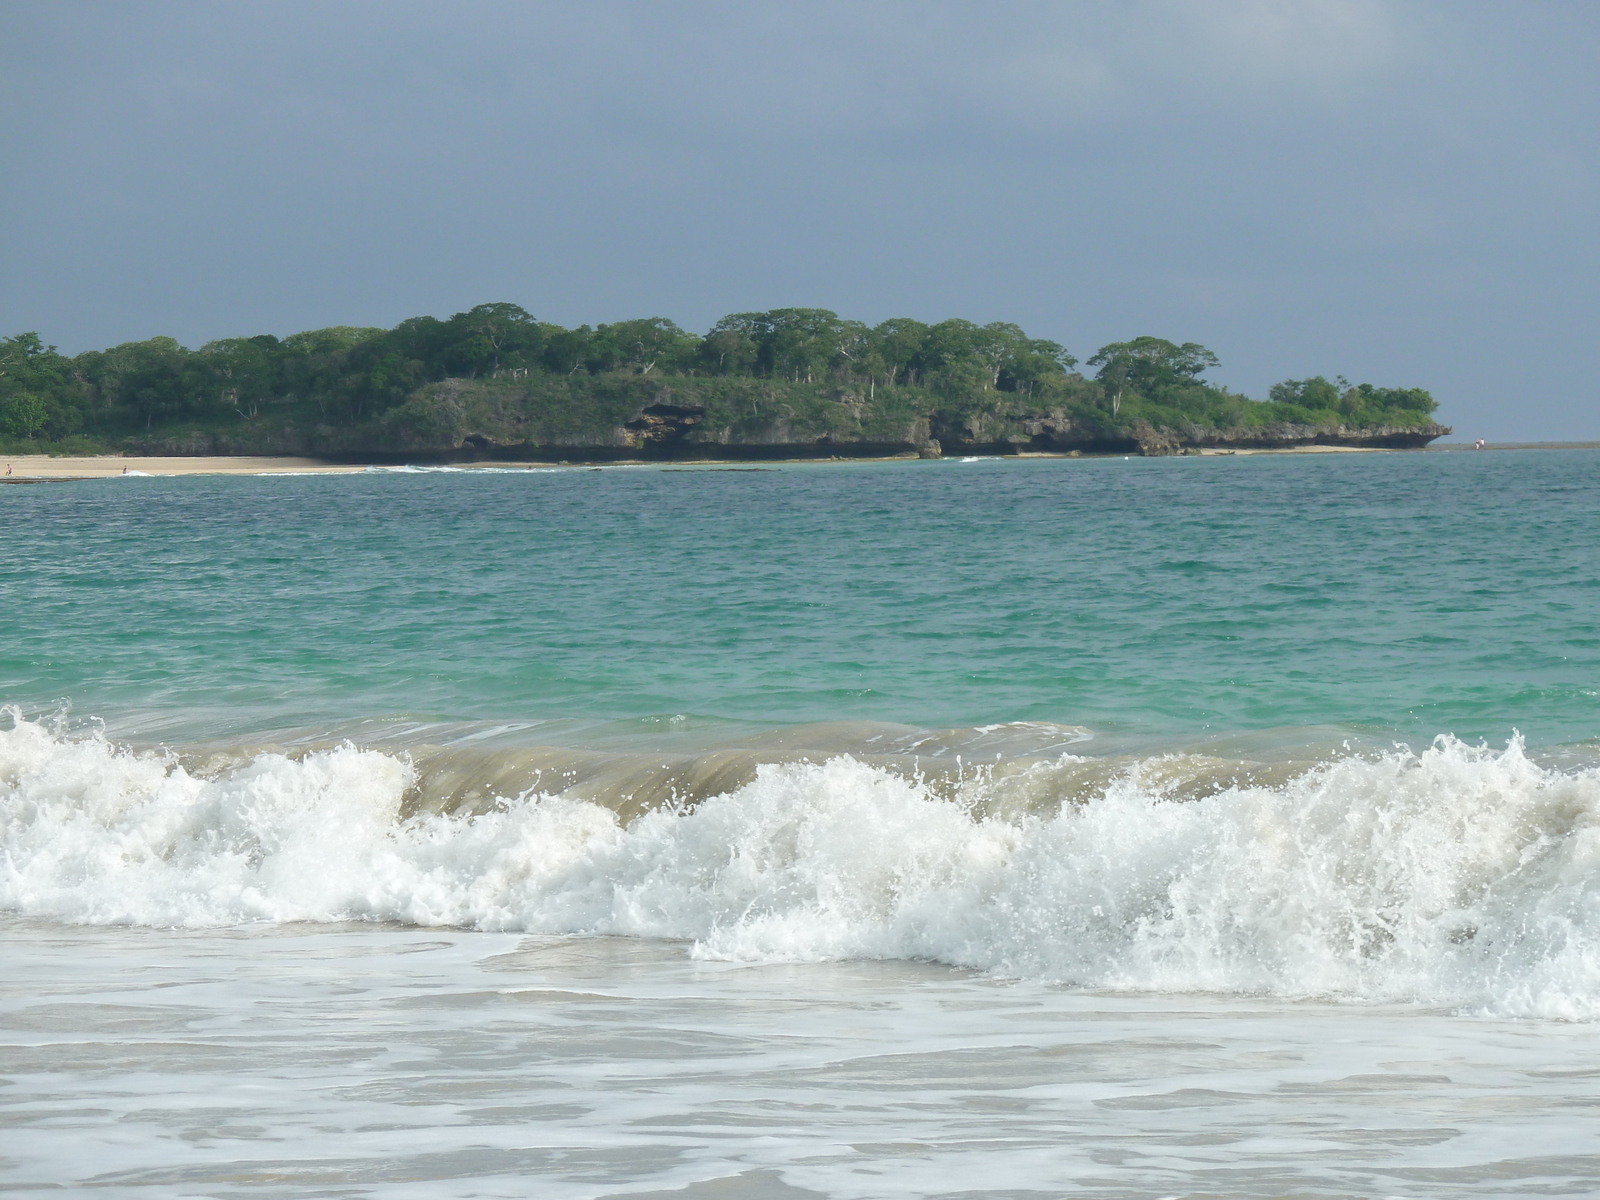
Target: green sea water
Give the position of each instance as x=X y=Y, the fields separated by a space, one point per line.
x=932 y=829
x=1400 y=595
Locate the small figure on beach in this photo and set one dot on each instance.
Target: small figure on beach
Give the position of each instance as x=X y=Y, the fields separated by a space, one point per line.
x=124 y=470
x=1478 y=445
x=8 y=468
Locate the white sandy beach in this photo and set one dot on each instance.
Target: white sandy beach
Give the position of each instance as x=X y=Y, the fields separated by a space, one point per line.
x=45 y=466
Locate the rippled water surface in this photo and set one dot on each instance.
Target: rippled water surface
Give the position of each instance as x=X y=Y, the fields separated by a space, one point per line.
x=1199 y=827
x=1421 y=593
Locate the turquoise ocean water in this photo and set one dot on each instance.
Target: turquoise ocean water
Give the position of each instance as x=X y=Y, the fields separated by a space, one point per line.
x=1392 y=594
x=1122 y=828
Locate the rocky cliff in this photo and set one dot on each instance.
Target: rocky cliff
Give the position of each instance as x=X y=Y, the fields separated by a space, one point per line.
x=617 y=418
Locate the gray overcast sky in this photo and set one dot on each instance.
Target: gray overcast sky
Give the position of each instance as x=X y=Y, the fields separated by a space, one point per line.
x=1402 y=192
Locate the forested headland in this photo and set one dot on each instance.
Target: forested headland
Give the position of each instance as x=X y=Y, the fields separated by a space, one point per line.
x=794 y=382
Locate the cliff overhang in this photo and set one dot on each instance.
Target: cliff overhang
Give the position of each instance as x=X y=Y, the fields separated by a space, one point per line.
x=653 y=419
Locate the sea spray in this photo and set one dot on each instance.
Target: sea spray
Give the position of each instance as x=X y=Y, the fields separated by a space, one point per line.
x=1462 y=875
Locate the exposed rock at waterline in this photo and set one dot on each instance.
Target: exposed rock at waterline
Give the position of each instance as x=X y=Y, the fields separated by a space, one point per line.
x=612 y=418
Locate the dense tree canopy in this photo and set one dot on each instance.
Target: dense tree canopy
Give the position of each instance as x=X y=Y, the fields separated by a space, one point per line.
x=1151 y=366
x=344 y=375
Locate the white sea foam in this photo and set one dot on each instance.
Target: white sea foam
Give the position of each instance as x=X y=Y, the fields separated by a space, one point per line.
x=1462 y=875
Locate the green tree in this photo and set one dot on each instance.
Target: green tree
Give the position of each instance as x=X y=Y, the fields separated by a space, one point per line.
x=1149 y=366
x=378 y=373
x=565 y=350
x=1034 y=361
x=238 y=373
x=897 y=346
x=733 y=345
x=489 y=340
x=1313 y=393
x=641 y=346
x=22 y=414
x=26 y=362
x=854 y=353
x=947 y=345
x=336 y=339
x=799 y=343
x=145 y=380
x=322 y=363
x=1406 y=403
x=994 y=346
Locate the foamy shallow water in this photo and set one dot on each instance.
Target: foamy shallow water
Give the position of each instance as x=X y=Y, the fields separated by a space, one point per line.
x=1047 y=828
x=1462 y=876
x=837 y=981
x=389 y=1062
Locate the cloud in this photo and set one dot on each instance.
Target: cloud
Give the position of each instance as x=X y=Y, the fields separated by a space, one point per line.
x=826 y=71
x=1296 y=184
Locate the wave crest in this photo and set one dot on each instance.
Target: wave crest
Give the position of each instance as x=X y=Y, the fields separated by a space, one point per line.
x=1462 y=875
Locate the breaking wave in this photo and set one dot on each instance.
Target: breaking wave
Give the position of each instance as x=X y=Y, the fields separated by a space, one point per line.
x=1463 y=875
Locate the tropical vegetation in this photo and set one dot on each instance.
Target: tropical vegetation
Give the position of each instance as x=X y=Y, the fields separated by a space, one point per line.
x=345 y=387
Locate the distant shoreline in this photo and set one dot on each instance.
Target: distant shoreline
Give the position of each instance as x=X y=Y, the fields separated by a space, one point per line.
x=1517 y=446
x=39 y=468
